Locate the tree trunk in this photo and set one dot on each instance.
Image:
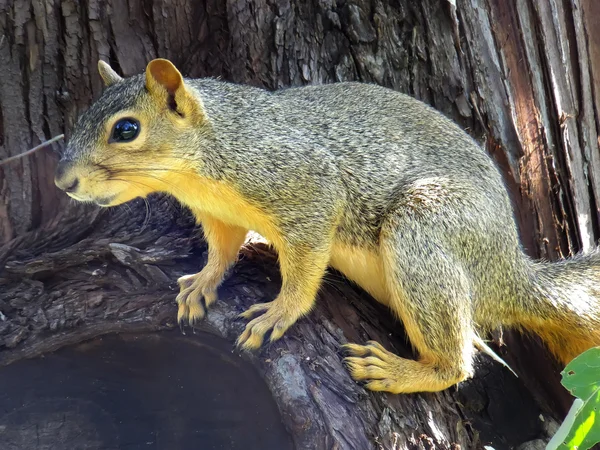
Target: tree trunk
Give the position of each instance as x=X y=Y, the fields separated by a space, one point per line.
x=521 y=76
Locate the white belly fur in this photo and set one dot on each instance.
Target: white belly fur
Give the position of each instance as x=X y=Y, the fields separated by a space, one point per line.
x=364 y=267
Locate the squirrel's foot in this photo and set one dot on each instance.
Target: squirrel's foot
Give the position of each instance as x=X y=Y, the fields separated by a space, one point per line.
x=373 y=365
x=275 y=317
x=194 y=289
x=380 y=370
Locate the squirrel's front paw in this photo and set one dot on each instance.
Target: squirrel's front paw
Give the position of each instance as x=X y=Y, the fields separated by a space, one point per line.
x=274 y=317
x=193 y=290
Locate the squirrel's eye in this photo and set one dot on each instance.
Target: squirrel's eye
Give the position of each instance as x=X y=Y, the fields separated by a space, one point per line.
x=125 y=130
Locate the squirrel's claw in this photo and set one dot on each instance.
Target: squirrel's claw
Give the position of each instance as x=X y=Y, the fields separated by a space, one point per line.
x=183 y=313
x=371 y=365
x=192 y=308
x=274 y=319
x=254 y=310
x=373 y=348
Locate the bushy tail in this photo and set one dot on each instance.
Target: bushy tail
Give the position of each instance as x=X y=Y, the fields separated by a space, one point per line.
x=565 y=312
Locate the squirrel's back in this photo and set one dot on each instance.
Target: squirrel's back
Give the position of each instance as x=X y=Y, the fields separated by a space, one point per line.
x=375 y=142
x=366 y=125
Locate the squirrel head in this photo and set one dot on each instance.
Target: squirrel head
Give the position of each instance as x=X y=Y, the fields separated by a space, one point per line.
x=135 y=139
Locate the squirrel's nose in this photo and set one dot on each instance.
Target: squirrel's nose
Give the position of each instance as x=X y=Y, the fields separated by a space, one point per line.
x=63 y=180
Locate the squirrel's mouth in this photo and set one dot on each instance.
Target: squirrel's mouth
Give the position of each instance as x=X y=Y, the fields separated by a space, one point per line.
x=101 y=201
x=78 y=197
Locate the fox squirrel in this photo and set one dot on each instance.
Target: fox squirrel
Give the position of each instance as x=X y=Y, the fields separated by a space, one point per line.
x=367 y=180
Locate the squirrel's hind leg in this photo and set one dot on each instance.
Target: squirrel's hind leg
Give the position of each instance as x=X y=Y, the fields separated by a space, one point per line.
x=382 y=370
x=430 y=292
x=224 y=242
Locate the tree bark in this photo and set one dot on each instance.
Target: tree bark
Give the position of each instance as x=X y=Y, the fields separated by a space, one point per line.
x=521 y=76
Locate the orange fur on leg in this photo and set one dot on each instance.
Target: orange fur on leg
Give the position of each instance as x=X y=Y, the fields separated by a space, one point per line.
x=224 y=242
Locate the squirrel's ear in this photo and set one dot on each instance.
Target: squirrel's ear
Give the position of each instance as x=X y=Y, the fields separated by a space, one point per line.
x=108 y=75
x=165 y=84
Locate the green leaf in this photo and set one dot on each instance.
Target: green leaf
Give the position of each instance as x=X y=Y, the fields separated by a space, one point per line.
x=581 y=428
x=582 y=375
